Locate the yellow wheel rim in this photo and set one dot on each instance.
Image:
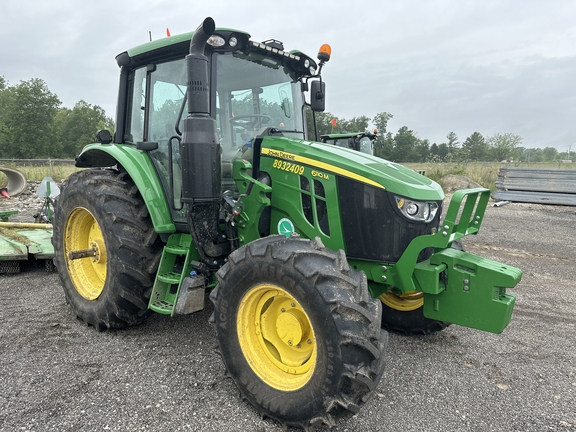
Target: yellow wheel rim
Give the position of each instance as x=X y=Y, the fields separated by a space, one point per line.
x=88 y=274
x=276 y=337
x=403 y=302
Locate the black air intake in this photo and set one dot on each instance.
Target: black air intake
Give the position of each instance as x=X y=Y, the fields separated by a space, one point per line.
x=200 y=150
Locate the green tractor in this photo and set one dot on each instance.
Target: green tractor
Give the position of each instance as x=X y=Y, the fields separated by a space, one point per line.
x=211 y=185
x=359 y=141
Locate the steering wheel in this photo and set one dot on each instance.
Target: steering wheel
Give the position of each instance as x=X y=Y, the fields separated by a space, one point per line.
x=250 y=121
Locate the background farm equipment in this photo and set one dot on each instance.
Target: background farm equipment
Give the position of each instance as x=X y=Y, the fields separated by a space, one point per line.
x=360 y=141
x=25 y=243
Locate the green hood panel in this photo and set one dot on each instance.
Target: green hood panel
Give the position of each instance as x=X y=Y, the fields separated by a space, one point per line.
x=362 y=167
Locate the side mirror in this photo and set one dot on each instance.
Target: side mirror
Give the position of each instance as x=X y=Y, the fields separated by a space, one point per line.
x=318 y=96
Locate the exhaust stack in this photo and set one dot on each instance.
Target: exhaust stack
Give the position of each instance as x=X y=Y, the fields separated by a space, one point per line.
x=200 y=149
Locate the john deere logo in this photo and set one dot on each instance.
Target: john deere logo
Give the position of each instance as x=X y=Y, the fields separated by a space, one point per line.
x=285 y=226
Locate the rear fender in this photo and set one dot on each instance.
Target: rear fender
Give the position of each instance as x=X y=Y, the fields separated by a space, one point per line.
x=138 y=165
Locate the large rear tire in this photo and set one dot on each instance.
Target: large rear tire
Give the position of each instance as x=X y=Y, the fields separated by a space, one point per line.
x=297 y=330
x=102 y=211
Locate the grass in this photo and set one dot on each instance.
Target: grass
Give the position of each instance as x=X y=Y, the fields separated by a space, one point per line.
x=483 y=173
x=58 y=171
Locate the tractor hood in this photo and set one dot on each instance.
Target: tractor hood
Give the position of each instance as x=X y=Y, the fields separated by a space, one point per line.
x=355 y=165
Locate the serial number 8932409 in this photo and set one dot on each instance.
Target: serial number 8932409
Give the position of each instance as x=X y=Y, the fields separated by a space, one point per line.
x=288 y=166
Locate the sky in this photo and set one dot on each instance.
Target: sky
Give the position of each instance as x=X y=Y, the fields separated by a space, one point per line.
x=438 y=66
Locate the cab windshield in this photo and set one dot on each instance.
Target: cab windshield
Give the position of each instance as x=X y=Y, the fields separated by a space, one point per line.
x=254 y=93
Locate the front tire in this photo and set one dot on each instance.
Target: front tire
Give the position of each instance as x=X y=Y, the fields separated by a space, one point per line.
x=404 y=313
x=102 y=211
x=297 y=330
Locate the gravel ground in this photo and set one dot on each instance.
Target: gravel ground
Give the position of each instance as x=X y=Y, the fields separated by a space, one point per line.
x=58 y=375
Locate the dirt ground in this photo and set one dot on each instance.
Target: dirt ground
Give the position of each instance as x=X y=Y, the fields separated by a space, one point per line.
x=57 y=374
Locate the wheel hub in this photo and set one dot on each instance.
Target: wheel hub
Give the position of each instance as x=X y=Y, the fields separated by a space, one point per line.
x=403 y=302
x=99 y=250
x=276 y=337
x=85 y=253
x=290 y=328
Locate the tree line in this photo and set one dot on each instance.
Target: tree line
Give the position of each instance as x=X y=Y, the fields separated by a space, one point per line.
x=33 y=124
x=405 y=146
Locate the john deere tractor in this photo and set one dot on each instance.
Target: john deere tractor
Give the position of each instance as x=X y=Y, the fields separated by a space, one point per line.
x=210 y=187
x=359 y=141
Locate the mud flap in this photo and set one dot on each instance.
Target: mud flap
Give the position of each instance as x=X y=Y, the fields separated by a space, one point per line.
x=469 y=290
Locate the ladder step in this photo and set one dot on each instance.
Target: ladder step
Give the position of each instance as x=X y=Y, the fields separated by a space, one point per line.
x=175 y=250
x=162 y=307
x=170 y=277
x=175 y=260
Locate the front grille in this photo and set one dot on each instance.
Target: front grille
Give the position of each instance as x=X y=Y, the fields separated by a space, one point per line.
x=373 y=229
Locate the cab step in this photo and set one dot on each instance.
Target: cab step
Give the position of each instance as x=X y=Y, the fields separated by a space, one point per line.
x=177 y=288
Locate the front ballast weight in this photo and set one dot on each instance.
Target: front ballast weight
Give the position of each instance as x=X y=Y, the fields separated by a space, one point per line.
x=458 y=287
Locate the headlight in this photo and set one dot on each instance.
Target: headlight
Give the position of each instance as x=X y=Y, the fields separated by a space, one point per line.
x=421 y=211
x=216 y=41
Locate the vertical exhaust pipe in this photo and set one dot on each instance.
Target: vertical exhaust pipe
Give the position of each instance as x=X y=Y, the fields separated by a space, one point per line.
x=200 y=149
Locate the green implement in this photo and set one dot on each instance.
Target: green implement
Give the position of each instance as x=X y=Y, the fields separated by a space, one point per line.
x=22 y=241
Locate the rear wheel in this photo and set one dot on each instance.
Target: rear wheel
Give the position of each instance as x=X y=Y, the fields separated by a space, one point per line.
x=105 y=248
x=298 y=332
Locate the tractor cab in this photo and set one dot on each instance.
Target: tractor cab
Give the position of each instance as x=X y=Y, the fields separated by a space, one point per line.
x=253 y=87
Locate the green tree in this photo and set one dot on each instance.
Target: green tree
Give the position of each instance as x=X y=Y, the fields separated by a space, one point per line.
x=550 y=154
x=422 y=150
x=453 y=146
x=323 y=123
x=405 y=143
x=502 y=145
x=3 y=111
x=383 y=144
x=28 y=121
x=443 y=151
x=453 y=140
x=532 y=155
x=476 y=147
x=356 y=124
x=77 y=127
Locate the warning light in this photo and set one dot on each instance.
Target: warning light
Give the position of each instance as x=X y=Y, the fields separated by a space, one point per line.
x=324 y=53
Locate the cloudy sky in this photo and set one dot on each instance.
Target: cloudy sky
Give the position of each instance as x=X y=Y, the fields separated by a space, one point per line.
x=488 y=66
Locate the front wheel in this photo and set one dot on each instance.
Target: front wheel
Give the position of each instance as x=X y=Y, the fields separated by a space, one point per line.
x=298 y=332
x=404 y=313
